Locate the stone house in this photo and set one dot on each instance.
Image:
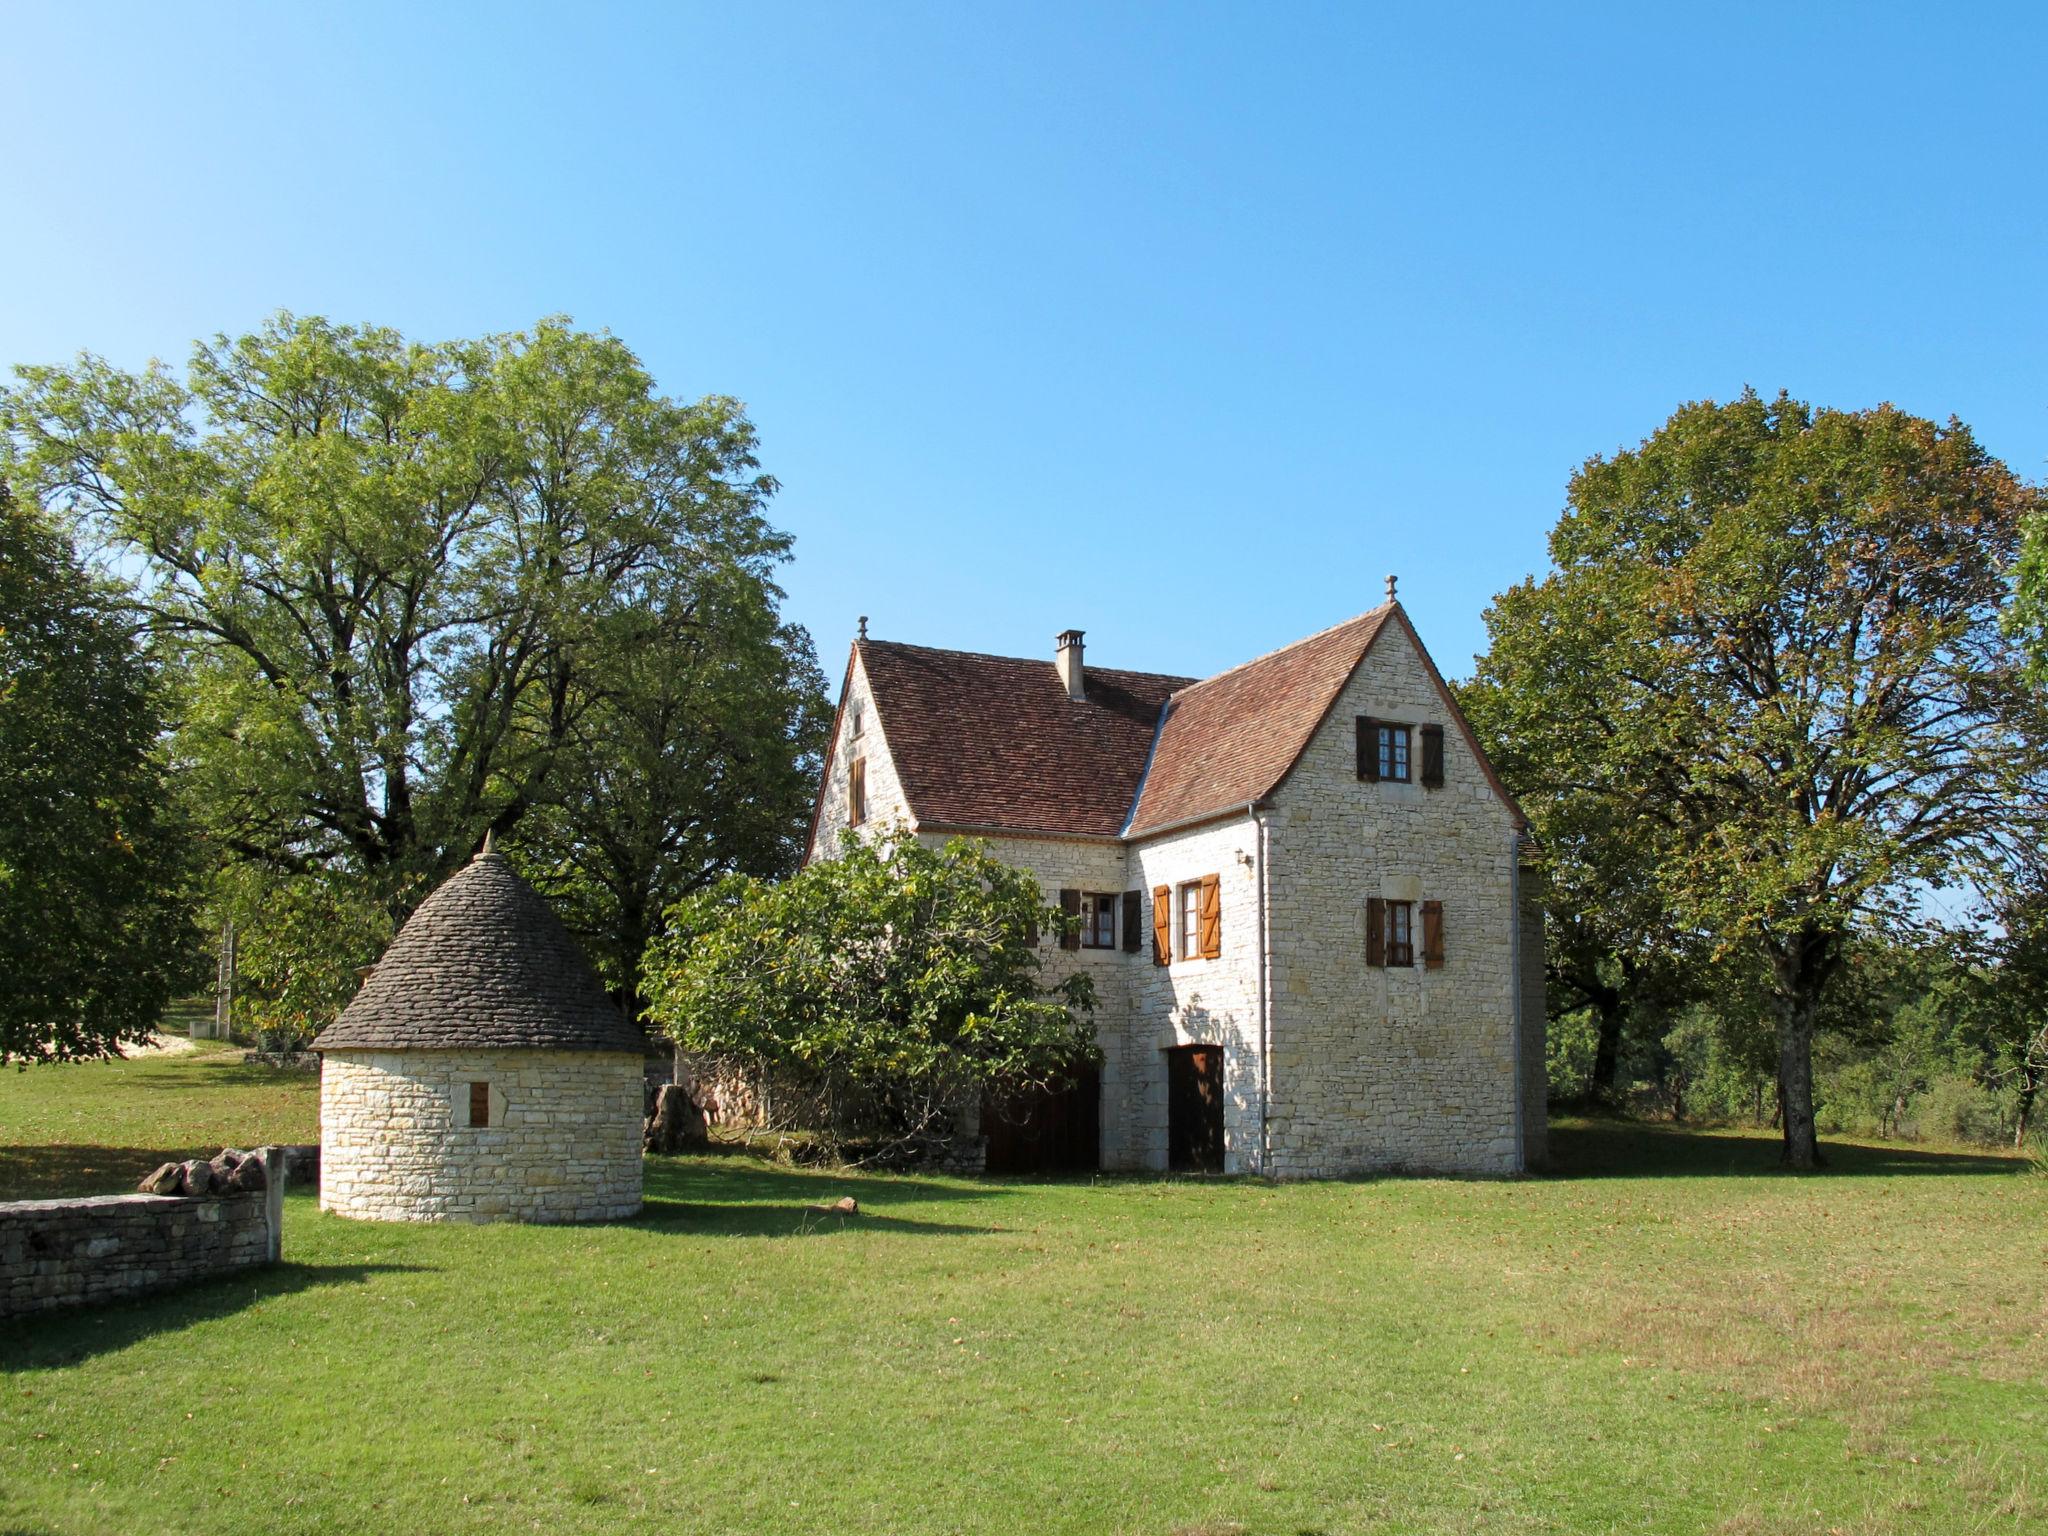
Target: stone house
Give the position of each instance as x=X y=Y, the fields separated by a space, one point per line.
x=1304 y=895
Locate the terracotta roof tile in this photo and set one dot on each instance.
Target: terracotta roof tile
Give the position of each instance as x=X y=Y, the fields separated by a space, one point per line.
x=994 y=741
x=1231 y=738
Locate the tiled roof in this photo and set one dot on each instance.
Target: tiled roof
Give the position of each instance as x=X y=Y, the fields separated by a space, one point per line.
x=1230 y=739
x=484 y=962
x=994 y=741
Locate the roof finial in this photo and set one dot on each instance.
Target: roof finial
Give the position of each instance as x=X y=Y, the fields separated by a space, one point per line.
x=489 y=841
x=1391 y=579
x=863 y=626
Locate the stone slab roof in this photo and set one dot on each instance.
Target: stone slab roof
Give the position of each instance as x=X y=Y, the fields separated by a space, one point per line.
x=994 y=742
x=484 y=962
x=1230 y=739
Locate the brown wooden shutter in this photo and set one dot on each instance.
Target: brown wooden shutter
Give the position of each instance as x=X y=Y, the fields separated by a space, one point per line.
x=480 y=1104
x=857 y=792
x=1162 y=924
x=1070 y=931
x=1433 y=935
x=1133 y=900
x=1375 y=932
x=1209 y=918
x=1368 y=749
x=1433 y=757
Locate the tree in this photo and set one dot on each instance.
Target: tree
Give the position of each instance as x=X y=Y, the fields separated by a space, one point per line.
x=1778 y=630
x=95 y=933
x=2017 y=988
x=2027 y=619
x=893 y=983
x=395 y=576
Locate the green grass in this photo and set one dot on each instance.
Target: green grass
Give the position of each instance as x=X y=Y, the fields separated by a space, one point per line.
x=94 y=1128
x=1666 y=1336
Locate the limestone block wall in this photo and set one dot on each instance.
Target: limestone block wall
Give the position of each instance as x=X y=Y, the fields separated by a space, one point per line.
x=1395 y=1068
x=886 y=804
x=1535 y=1026
x=563 y=1142
x=1196 y=1001
x=59 y=1253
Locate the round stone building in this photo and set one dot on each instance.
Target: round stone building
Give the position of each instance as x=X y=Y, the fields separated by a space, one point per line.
x=481 y=1073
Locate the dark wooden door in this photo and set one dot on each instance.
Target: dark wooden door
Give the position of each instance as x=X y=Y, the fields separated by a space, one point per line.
x=1194 y=1109
x=1055 y=1129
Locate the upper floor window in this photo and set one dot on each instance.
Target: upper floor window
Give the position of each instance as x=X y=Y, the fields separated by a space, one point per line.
x=857 y=792
x=1191 y=920
x=854 y=712
x=1393 y=749
x=1098 y=920
x=1400 y=933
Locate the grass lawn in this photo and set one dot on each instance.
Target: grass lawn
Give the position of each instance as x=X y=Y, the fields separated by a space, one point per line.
x=1666 y=1335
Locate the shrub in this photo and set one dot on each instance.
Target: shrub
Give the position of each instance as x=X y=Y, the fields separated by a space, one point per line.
x=1957 y=1108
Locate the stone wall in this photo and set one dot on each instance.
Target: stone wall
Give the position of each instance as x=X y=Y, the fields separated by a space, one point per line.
x=563 y=1143
x=1381 y=1068
x=58 y=1253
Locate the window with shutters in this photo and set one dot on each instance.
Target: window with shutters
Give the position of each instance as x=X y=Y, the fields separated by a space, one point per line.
x=1400 y=944
x=1191 y=920
x=480 y=1105
x=1098 y=920
x=1394 y=743
x=857 y=792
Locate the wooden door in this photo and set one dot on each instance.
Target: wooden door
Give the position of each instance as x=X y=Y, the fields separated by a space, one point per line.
x=1194 y=1109
x=1055 y=1129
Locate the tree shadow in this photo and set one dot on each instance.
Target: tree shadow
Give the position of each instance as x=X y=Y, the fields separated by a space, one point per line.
x=728 y=1197
x=68 y=1170
x=67 y=1335
x=1622 y=1149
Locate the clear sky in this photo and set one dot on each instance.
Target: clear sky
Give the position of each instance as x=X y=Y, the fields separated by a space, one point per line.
x=1180 y=324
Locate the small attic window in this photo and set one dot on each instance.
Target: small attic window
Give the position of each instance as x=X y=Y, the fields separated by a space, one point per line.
x=480 y=1105
x=854 y=714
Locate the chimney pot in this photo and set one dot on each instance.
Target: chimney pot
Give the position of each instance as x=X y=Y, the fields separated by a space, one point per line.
x=1068 y=658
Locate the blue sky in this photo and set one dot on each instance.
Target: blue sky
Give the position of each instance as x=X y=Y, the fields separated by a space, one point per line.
x=1183 y=325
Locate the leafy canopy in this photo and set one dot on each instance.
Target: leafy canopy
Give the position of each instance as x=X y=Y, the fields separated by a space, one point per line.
x=893 y=981
x=95 y=934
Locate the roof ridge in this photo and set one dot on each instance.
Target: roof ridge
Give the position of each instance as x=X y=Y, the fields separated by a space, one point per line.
x=1281 y=650
x=1029 y=661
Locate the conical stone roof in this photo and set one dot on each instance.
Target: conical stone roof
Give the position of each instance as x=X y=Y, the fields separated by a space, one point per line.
x=484 y=963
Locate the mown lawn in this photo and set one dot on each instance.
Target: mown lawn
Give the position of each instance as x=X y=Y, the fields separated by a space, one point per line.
x=1665 y=1336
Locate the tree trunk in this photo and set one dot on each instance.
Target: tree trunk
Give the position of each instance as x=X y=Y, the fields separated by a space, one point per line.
x=1607 y=1052
x=1795 y=1083
x=2030 y=1083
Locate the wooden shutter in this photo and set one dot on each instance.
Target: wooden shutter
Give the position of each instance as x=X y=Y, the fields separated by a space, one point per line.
x=480 y=1104
x=1433 y=935
x=1162 y=924
x=857 y=792
x=1433 y=757
x=1133 y=900
x=1209 y=918
x=1070 y=931
x=1368 y=749
x=1375 y=932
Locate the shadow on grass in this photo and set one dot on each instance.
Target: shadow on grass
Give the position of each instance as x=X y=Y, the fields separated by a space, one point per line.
x=732 y=1196
x=65 y=1170
x=46 y=1340
x=1622 y=1149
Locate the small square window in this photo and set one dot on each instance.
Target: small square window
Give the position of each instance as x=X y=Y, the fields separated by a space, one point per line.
x=1400 y=933
x=1098 y=921
x=480 y=1105
x=1394 y=753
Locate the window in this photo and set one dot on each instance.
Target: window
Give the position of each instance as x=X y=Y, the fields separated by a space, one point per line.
x=1191 y=920
x=1400 y=933
x=1098 y=920
x=1394 y=754
x=853 y=722
x=857 y=792
x=480 y=1105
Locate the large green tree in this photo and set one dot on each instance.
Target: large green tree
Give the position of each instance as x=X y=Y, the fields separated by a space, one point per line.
x=95 y=932
x=402 y=580
x=1775 y=632
x=890 y=985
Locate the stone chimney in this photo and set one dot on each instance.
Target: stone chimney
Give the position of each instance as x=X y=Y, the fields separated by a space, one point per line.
x=1069 y=661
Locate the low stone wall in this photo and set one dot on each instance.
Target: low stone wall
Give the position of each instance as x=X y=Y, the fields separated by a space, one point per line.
x=60 y=1253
